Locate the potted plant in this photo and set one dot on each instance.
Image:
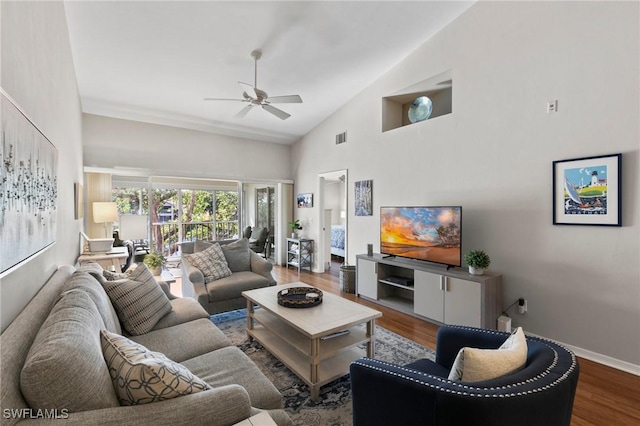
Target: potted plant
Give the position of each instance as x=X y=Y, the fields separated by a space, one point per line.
x=295 y=226
x=154 y=262
x=478 y=261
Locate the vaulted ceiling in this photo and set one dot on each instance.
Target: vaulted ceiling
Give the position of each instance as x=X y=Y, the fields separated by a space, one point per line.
x=155 y=61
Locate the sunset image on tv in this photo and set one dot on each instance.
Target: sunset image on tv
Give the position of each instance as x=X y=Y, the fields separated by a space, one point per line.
x=425 y=233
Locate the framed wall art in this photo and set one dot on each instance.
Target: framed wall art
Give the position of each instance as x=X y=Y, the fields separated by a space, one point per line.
x=587 y=191
x=28 y=201
x=364 y=198
x=304 y=200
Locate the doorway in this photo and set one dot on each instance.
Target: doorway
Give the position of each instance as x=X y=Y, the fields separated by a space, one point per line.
x=332 y=206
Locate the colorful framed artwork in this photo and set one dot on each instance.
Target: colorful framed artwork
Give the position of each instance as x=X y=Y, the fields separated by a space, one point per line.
x=364 y=198
x=587 y=191
x=29 y=190
x=304 y=200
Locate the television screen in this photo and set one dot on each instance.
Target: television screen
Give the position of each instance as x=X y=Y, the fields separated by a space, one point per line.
x=433 y=234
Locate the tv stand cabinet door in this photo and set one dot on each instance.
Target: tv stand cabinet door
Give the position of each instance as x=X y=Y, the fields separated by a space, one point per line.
x=463 y=302
x=428 y=298
x=367 y=279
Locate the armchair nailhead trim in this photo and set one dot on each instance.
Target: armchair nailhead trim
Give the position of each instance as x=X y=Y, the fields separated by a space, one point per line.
x=467 y=390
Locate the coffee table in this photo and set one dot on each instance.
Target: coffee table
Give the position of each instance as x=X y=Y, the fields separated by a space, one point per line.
x=301 y=338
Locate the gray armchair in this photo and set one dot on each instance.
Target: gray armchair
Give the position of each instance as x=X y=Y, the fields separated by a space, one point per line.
x=225 y=294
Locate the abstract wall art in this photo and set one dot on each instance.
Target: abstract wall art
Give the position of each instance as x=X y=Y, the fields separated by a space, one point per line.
x=364 y=198
x=29 y=191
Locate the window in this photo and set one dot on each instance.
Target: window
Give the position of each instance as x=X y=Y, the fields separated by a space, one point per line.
x=179 y=214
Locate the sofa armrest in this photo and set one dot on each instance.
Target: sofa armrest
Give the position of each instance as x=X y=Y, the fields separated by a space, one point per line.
x=193 y=284
x=261 y=266
x=167 y=290
x=221 y=406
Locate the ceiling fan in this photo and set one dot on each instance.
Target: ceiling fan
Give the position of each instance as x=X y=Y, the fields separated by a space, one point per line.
x=256 y=97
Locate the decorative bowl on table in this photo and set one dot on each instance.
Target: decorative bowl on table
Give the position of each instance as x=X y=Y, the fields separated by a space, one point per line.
x=299 y=297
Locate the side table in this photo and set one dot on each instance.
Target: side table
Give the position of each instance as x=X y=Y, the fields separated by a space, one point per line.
x=114 y=258
x=300 y=253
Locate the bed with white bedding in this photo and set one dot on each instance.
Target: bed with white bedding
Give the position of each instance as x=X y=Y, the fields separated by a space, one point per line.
x=337 y=240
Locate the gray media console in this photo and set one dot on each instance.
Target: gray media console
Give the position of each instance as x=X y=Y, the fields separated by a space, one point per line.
x=430 y=291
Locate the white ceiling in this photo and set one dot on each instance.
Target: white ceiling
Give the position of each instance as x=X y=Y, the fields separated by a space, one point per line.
x=155 y=61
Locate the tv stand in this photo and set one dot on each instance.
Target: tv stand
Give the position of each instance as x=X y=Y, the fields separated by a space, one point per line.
x=430 y=291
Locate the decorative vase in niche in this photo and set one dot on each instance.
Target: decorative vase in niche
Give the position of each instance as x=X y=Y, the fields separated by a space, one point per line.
x=476 y=271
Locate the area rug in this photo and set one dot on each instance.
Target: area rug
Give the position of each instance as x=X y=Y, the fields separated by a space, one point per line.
x=334 y=406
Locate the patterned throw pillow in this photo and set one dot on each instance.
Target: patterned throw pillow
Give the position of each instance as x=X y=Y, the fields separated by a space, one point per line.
x=211 y=262
x=139 y=300
x=476 y=365
x=141 y=376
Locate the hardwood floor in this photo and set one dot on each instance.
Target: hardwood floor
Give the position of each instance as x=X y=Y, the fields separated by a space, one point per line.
x=605 y=396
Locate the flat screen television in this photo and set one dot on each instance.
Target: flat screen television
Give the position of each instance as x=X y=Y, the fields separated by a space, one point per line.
x=427 y=233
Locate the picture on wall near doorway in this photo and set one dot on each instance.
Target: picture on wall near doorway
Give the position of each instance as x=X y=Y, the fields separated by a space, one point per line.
x=305 y=200
x=587 y=191
x=28 y=171
x=364 y=198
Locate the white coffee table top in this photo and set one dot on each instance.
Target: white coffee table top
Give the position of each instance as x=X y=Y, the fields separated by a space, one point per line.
x=333 y=314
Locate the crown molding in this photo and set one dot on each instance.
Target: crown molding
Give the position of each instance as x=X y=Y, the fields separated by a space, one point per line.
x=128 y=112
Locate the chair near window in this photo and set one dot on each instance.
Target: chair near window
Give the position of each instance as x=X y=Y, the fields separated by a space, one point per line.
x=247 y=232
x=258 y=239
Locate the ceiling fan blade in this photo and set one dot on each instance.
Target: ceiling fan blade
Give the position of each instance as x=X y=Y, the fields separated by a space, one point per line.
x=224 y=99
x=243 y=111
x=249 y=90
x=288 y=99
x=275 y=111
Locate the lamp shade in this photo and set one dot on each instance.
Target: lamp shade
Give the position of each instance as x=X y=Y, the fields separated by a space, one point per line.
x=104 y=212
x=133 y=227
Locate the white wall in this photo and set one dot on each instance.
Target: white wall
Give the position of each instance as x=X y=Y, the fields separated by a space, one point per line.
x=493 y=156
x=38 y=73
x=180 y=152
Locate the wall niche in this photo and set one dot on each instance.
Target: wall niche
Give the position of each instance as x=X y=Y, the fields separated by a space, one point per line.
x=395 y=107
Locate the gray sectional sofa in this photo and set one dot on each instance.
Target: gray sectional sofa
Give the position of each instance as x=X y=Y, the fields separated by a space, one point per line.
x=248 y=271
x=53 y=369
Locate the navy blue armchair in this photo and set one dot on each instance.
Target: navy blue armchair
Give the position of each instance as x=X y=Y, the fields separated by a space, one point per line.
x=541 y=393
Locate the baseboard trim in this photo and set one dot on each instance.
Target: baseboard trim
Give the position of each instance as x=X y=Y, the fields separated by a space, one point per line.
x=600 y=358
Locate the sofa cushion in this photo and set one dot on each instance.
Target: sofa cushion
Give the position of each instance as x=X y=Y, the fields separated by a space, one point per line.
x=64 y=368
x=233 y=286
x=230 y=365
x=141 y=376
x=475 y=365
x=183 y=310
x=139 y=301
x=184 y=341
x=90 y=285
x=238 y=255
x=211 y=262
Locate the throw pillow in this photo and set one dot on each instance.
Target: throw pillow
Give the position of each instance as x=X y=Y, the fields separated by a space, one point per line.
x=139 y=300
x=476 y=365
x=237 y=255
x=141 y=376
x=201 y=245
x=211 y=262
x=64 y=367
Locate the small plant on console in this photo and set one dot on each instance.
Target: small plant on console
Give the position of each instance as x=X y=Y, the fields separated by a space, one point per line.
x=478 y=261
